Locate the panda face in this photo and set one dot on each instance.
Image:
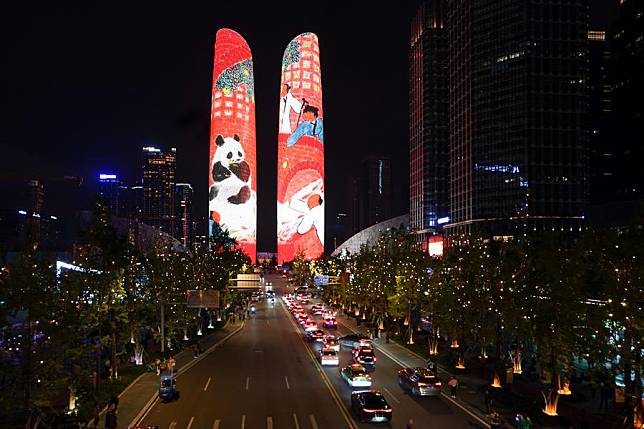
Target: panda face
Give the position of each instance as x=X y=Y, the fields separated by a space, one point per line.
x=229 y=151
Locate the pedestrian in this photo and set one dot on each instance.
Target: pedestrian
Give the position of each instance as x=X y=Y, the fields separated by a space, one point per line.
x=171 y=364
x=110 y=417
x=431 y=365
x=410 y=424
x=495 y=420
x=603 y=397
x=195 y=352
x=453 y=385
x=488 y=401
x=157 y=365
x=198 y=348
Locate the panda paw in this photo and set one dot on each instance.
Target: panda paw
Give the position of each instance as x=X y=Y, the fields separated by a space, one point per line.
x=242 y=196
x=241 y=170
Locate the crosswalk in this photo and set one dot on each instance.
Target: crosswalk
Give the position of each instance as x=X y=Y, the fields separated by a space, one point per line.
x=298 y=422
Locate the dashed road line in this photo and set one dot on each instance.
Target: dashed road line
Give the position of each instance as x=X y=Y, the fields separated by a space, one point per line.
x=288 y=386
x=243 y=423
x=172 y=425
x=192 y=419
x=297 y=425
x=247 y=381
x=314 y=424
x=391 y=394
x=269 y=423
x=216 y=424
x=207 y=384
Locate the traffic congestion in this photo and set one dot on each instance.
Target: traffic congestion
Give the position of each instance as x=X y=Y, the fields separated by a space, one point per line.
x=355 y=358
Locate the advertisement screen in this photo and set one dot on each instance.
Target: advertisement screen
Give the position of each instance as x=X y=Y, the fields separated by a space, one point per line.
x=203 y=298
x=300 y=166
x=232 y=179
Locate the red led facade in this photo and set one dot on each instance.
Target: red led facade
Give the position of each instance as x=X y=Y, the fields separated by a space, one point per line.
x=300 y=175
x=233 y=167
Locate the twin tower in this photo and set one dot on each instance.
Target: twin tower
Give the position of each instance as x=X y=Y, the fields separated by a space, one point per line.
x=300 y=140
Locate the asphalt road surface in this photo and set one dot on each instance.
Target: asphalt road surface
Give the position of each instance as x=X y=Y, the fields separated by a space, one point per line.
x=267 y=376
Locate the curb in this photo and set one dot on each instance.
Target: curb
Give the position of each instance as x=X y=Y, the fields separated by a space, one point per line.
x=146 y=408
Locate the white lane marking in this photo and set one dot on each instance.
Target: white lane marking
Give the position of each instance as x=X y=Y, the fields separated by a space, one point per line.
x=269 y=423
x=207 y=384
x=243 y=425
x=172 y=425
x=297 y=425
x=314 y=424
x=247 y=381
x=192 y=419
x=288 y=386
x=215 y=425
x=391 y=394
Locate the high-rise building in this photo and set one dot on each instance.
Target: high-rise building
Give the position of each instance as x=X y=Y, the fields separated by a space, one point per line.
x=185 y=229
x=300 y=152
x=602 y=153
x=627 y=124
x=111 y=191
x=375 y=189
x=428 y=94
x=518 y=115
x=232 y=177
x=135 y=202
x=159 y=172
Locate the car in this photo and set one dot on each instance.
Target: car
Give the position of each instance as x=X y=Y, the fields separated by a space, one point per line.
x=301 y=318
x=356 y=375
x=420 y=381
x=354 y=340
x=304 y=300
x=315 y=335
x=365 y=356
x=370 y=406
x=331 y=342
x=317 y=310
x=329 y=357
x=330 y=322
x=310 y=325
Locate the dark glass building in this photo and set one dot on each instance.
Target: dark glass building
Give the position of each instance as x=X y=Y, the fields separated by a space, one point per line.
x=428 y=123
x=627 y=124
x=603 y=166
x=376 y=190
x=518 y=115
x=159 y=172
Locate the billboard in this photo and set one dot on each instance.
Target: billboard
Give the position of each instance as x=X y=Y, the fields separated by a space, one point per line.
x=232 y=173
x=203 y=298
x=300 y=154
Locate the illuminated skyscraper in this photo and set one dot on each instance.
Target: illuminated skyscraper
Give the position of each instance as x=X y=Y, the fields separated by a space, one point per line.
x=428 y=93
x=232 y=175
x=113 y=194
x=159 y=172
x=518 y=115
x=185 y=227
x=300 y=153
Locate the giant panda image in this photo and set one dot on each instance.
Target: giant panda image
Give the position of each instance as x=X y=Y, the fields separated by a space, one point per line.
x=231 y=176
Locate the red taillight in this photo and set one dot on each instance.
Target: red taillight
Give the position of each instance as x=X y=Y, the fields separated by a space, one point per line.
x=422 y=384
x=375 y=359
x=369 y=410
x=438 y=384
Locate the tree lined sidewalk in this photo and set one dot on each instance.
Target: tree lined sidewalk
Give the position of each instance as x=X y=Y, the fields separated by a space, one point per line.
x=139 y=395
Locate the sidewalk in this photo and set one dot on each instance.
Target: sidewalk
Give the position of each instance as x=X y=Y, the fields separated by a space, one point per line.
x=468 y=397
x=139 y=395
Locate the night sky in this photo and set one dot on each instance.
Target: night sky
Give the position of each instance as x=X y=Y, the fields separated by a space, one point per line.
x=86 y=86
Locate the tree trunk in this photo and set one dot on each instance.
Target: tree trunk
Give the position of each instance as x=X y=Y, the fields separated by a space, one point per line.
x=27 y=370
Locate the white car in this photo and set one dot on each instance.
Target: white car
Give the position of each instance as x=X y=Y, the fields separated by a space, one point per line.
x=329 y=357
x=356 y=376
